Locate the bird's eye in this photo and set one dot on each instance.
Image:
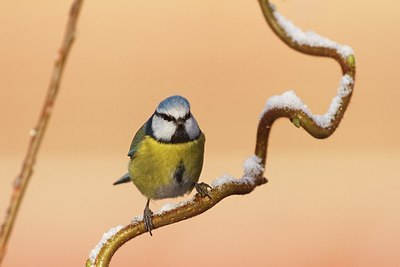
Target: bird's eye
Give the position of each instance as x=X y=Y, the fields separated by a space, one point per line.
x=165 y=116
x=187 y=116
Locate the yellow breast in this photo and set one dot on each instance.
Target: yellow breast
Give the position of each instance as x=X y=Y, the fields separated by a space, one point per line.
x=161 y=170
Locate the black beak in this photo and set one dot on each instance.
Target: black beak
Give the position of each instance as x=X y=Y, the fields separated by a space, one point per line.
x=180 y=122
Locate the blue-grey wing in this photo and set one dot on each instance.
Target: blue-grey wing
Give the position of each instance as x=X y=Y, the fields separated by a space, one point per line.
x=137 y=139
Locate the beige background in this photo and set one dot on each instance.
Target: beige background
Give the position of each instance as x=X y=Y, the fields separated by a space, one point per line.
x=329 y=203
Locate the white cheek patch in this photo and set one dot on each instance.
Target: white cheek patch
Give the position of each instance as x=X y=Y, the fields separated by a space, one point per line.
x=192 y=128
x=162 y=129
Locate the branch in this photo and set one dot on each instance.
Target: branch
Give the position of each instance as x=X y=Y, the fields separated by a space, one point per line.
x=287 y=105
x=37 y=133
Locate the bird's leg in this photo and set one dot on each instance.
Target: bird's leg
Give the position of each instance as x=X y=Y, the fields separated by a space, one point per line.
x=202 y=189
x=147 y=217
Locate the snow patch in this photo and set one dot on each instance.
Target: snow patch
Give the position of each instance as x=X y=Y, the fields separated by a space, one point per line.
x=106 y=236
x=224 y=179
x=310 y=38
x=137 y=219
x=167 y=207
x=252 y=166
x=291 y=101
x=170 y=206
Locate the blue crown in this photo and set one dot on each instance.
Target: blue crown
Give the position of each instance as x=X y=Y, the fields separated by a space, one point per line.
x=173 y=102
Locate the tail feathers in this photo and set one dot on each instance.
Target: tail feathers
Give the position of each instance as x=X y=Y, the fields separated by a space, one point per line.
x=124 y=179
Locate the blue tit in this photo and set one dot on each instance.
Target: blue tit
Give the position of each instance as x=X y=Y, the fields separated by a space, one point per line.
x=166 y=155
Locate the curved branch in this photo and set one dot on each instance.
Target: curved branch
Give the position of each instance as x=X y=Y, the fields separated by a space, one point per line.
x=37 y=133
x=223 y=187
x=287 y=105
x=307 y=42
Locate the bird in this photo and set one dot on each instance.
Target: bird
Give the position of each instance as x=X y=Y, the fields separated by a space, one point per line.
x=166 y=155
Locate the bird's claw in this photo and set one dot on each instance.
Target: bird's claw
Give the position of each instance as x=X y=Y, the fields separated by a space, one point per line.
x=147 y=219
x=203 y=189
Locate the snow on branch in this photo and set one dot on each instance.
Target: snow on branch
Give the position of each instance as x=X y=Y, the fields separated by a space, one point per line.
x=223 y=186
x=310 y=38
x=307 y=42
x=286 y=105
x=106 y=236
x=291 y=101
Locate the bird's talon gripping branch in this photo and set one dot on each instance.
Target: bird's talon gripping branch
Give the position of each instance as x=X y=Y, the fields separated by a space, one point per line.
x=202 y=189
x=147 y=214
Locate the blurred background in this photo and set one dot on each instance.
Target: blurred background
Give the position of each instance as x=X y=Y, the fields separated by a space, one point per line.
x=332 y=202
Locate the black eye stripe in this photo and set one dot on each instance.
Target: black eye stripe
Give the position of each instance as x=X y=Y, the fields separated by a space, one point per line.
x=187 y=116
x=170 y=118
x=165 y=116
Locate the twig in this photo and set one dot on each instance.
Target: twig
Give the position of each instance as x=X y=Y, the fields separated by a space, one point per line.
x=287 y=105
x=37 y=133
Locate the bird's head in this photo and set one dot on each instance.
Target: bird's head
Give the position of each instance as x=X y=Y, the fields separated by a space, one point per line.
x=172 y=122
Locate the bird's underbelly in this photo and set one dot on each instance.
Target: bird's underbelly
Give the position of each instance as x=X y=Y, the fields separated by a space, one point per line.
x=162 y=170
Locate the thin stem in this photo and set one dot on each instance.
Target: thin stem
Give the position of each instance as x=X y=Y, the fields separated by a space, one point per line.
x=37 y=133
